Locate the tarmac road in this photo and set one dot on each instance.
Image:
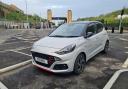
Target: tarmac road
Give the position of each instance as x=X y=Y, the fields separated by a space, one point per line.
x=97 y=72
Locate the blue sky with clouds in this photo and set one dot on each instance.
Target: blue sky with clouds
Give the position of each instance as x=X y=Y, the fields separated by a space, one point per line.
x=80 y=8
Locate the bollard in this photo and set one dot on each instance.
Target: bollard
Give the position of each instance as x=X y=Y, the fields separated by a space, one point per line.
x=113 y=29
x=121 y=30
x=106 y=28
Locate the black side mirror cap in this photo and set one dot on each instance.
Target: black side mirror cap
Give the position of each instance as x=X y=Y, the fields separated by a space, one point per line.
x=89 y=34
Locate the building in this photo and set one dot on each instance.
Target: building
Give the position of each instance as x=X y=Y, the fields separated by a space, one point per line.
x=14 y=8
x=5 y=9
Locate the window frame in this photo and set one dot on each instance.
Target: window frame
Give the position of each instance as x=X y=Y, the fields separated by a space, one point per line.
x=94 y=28
x=98 y=30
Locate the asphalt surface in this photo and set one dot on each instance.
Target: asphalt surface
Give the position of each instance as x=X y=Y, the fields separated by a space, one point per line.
x=13 y=39
x=15 y=45
x=121 y=82
x=11 y=58
x=27 y=51
x=16 y=48
x=97 y=72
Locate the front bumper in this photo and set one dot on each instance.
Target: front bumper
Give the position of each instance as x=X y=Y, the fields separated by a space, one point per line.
x=65 y=64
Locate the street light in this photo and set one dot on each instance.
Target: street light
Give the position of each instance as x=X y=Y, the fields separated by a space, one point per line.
x=26 y=10
x=120 y=24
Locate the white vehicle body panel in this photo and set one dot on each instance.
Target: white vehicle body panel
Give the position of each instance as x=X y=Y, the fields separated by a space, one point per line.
x=90 y=46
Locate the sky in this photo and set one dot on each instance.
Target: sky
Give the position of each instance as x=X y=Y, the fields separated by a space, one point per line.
x=80 y=8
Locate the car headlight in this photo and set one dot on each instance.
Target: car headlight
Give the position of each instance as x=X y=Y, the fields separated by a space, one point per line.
x=66 y=49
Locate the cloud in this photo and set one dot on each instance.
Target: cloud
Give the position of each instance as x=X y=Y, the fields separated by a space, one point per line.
x=80 y=8
x=55 y=7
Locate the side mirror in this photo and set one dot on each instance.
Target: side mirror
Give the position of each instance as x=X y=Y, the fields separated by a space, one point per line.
x=89 y=34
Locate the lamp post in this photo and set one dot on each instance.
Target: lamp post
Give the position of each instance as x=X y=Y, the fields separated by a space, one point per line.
x=26 y=10
x=120 y=25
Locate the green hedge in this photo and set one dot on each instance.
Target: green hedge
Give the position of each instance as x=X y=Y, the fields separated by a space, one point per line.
x=108 y=21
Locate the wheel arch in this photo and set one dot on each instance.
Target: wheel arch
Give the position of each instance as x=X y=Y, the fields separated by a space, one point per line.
x=84 y=55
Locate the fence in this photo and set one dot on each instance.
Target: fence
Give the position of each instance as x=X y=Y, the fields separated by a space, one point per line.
x=22 y=25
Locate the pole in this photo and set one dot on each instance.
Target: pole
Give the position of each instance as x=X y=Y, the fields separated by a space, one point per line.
x=120 y=25
x=40 y=16
x=40 y=21
x=26 y=10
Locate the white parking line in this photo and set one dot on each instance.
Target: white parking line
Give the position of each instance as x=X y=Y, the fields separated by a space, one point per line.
x=126 y=47
x=20 y=53
x=20 y=48
x=15 y=66
x=114 y=78
x=8 y=43
x=4 y=51
x=26 y=39
x=126 y=52
x=123 y=39
x=125 y=65
x=14 y=42
x=2 y=86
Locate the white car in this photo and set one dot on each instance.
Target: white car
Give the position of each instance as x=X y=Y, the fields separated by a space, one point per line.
x=70 y=46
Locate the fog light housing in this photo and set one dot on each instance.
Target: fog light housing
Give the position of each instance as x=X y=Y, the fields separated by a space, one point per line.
x=60 y=67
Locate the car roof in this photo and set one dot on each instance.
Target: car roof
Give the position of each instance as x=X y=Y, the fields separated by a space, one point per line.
x=87 y=22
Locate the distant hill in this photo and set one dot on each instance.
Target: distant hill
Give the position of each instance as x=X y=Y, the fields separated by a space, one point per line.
x=109 y=18
x=116 y=13
x=112 y=14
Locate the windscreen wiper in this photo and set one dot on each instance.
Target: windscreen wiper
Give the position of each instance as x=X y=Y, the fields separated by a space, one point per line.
x=57 y=36
x=72 y=36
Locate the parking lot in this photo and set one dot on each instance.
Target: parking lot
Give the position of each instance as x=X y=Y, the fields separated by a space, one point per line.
x=15 y=48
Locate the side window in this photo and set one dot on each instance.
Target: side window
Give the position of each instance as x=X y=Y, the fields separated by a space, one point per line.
x=91 y=28
x=99 y=28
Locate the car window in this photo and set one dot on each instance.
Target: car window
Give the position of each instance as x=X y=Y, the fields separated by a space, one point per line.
x=69 y=30
x=99 y=28
x=91 y=28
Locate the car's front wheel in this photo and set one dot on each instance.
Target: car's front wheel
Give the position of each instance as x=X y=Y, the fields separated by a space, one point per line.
x=79 y=64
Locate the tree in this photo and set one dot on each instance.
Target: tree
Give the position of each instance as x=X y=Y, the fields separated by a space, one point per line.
x=15 y=16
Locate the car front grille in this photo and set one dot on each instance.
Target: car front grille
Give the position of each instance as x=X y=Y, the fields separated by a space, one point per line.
x=49 y=58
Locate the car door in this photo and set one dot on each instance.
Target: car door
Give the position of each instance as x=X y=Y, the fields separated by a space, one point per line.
x=99 y=37
x=90 y=40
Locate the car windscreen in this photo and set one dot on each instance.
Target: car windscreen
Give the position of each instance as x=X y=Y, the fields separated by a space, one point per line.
x=69 y=30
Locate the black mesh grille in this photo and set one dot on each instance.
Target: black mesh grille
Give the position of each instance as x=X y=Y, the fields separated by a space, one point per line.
x=60 y=67
x=49 y=58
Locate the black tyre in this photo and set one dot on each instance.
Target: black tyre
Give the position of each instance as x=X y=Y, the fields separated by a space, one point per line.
x=79 y=64
x=106 y=47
